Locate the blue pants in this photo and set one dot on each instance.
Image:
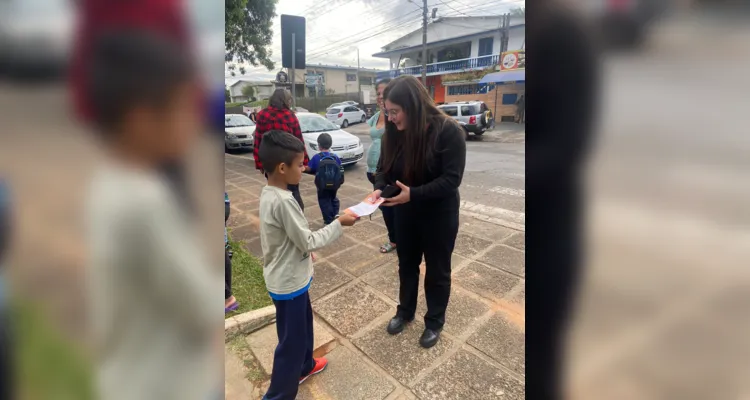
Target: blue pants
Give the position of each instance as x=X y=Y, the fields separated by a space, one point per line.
x=293 y=358
x=329 y=205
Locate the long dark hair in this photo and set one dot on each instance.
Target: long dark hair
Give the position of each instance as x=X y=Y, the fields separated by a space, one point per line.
x=281 y=99
x=416 y=144
x=384 y=81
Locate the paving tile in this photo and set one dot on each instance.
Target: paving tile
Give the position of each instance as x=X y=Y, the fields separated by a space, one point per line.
x=457 y=261
x=507 y=259
x=385 y=280
x=517 y=240
x=351 y=191
x=350 y=310
x=236 y=385
x=237 y=218
x=326 y=279
x=503 y=340
x=247 y=206
x=469 y=246
x=401 y=355
x=486 y=281
x=484 y=229
x=263 y=343
x=464 y=376
x=359 y=260
x=242 y=197
x=340 y=244
x=365 y=231
x=312 y=213
x=347 y=377
x=245 y=233
x=462 y=311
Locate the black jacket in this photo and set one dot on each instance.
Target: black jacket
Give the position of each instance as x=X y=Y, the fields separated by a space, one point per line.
x=444 y=171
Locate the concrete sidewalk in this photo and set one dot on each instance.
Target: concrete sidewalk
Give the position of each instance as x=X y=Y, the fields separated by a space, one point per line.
x=481 y=352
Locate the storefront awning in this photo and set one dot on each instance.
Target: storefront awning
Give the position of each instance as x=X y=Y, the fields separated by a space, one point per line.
x=504 y=77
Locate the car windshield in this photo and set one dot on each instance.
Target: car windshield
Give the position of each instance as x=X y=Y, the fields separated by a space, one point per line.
x=332 y=111
x=315 y=123
x=234 y=121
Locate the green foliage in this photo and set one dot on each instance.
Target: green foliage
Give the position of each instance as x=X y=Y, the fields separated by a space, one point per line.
x=248 y=34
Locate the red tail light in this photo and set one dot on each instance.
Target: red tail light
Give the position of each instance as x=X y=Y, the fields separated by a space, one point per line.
x=341 y=115
x=473 y=120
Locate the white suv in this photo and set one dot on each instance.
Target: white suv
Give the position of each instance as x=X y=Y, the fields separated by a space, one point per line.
x=345 y=115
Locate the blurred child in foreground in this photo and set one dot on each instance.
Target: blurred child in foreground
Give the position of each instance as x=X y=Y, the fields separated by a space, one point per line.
x=287 y=241
x=152 y=290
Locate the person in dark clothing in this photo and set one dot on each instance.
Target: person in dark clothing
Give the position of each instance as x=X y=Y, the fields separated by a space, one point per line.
x=520 y=109
x=424 y=156
x=566 y=97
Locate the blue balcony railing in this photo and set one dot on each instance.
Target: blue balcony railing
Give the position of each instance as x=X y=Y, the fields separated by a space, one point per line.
x=445 y=67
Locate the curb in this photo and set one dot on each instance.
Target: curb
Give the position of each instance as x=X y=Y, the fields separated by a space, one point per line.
x=248 y=322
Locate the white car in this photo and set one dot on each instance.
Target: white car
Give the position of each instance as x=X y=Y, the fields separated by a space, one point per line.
x=345 y=115
x=345 y=145
x=239 y=132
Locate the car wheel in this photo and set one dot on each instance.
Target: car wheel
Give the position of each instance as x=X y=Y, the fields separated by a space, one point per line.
x=363 y=120
x=345 y=124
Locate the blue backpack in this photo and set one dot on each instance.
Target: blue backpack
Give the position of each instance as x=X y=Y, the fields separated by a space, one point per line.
x=330 y=174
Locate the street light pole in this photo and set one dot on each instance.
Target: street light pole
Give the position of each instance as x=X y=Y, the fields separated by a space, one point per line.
x=359 y=84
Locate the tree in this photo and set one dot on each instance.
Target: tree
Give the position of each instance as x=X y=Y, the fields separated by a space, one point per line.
x=518 y=12
x=247 y=33
x=227 y=96
x=248 y=91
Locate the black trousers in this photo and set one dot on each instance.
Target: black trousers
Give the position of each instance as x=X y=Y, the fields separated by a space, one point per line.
x=388 y=214
x=432 y=234
x=227 y=275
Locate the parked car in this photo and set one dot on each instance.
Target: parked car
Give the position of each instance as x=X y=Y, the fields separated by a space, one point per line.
x=344 y=104
x=472 y=115
x=239 y=132
x=36 y=37
x=345 y=115
x=345 y=145
x=300 y=109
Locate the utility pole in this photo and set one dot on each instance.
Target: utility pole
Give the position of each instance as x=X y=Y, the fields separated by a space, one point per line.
x=359 y=84
x=424 y=42
x=505 y=33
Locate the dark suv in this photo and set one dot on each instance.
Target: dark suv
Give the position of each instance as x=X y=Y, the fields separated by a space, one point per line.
x=474 y=116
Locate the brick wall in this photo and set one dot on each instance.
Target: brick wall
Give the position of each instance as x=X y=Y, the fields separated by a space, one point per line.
x=489 y=99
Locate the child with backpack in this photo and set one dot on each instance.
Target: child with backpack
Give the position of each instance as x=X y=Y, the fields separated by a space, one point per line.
x=329 y=176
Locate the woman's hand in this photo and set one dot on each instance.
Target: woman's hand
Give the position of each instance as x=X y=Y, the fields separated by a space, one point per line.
x=374 y=196
x=401 y=198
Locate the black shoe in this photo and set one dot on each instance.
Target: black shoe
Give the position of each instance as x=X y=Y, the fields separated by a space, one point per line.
x=429 y=338
x=397 y=324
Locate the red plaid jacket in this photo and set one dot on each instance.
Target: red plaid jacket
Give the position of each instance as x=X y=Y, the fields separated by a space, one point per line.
x=273 y=119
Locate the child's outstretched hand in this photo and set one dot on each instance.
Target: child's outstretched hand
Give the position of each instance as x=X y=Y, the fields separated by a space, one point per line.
x=347 y=219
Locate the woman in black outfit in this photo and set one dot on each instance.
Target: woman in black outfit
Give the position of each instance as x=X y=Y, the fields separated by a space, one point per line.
x=424 y=155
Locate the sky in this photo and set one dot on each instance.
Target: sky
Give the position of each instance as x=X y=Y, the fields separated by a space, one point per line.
x=335 y=28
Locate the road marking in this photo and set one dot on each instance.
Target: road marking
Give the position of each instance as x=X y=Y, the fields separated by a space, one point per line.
x=513 y=217
x=508 y=191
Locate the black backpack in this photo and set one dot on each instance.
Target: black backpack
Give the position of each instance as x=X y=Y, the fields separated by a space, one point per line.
x=330 y=174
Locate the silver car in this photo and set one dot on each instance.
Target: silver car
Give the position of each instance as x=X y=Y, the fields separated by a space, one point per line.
x=239 y=132
x=474 y=116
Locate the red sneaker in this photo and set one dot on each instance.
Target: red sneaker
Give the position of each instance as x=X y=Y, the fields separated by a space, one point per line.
x=320 y=365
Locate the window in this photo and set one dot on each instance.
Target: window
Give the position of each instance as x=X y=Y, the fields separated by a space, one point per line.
x=351 y=77
x=365 y=80
x=451 y=111
x=350 y=109
x=466 y=110
x=510 y=98
x=485 y=46
x=462 y=89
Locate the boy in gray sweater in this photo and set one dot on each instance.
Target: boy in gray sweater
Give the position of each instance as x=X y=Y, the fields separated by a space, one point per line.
x=287 y=242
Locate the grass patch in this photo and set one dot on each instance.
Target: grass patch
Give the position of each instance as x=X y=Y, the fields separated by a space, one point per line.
x=248 y=285
x=48 y=365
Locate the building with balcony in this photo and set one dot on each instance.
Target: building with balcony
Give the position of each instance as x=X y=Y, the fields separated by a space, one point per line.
x=460 y=50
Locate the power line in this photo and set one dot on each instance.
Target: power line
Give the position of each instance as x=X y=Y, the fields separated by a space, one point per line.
x=451 y=7
x=373 y=27
x=354 y=38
